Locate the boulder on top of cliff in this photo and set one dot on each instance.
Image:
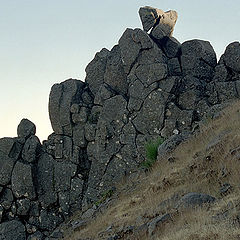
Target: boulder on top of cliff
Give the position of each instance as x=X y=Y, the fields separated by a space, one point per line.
x=198 y=59
x=26 y=128
x=152 y=17
x=231 y=56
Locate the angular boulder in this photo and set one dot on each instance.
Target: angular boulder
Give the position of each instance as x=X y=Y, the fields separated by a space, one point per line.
x=231 y=56
x=22 y=181
x=31 y=149
x=26 y=128
x=198 y=59
x=12 y=230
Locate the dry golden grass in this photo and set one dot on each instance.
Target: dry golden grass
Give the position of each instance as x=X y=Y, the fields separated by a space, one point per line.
x=203 y=164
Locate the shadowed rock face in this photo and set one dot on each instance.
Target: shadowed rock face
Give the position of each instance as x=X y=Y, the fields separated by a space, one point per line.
x=148 y=86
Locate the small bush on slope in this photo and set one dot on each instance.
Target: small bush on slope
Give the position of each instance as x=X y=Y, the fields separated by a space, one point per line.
x=151 y=149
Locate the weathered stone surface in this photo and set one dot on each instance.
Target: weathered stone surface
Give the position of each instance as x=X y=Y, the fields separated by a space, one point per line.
x=90 y=131
x=226 y=91
x=23 y=206
x=60 y=102
x=171 y=47
x=79 y=135
x=12 y=230
x=231 y=56
x=59 y=146
x=221 y=73
x=1 y=213
x=31 y=149
x=192 y=200
x=171 y=143
x=131 y=42
x=129 y=49
x=104 y=92
x=152 y=17
x=49 y=220
x=149 y=74
x=36 y=236
x=76 y=192
x=22 y=181
x=150 y=118
x=46 y=182
x=174 y=67
x=152 y=55
x=149 y=16
x=6 y=167
x=10 y=146
x=62 y=175
x=26 y=128
x=95 y=70
x=115 y=75
x=6 y=198
x=198 y=59
x=157 y=222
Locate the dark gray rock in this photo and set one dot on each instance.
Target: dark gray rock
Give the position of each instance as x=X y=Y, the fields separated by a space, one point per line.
x=171 y=47
x=149 y=74
x=12 y=230
x=60 y=147
x=95 y=70
x=11 y=147
x=6 y=167
x=198 y=59
x=26 y=128
x=31 y=149
x=60 y=102
x=49 y=220
x=129 y=49
x=22 y=181
x=152 y=55
x=171 y=143
x=131 y=42
x=34 y=209
x=23 y=206
x=62 y=175
x=115 y=75
x=151 y=117
x=192 y=200
x=104 y=92
x=174 y=67
x=149 y=16
x=157 y=222
x=6 y=199
x=57 y=234
x=90 y=131
x=1 y=213
x=221 y=73
x=231 y=56
x=76 y=192
x=46 y=182
x=79 y=136
x=36 y=236
x=226 y=91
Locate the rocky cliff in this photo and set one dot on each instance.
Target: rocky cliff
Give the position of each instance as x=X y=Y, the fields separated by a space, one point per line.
x=148 y=85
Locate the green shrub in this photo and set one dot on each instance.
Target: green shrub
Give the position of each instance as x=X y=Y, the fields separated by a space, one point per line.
x=151 y=149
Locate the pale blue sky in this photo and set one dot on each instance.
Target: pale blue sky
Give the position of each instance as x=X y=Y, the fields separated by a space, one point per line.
x=43 y=42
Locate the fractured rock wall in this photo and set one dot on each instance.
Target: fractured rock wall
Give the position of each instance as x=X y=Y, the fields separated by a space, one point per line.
x=148 y=85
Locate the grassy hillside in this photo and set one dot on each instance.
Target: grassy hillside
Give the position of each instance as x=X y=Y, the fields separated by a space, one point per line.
x=209 y=162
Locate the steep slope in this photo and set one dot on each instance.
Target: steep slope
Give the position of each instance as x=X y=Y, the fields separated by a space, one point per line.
x=207 y=163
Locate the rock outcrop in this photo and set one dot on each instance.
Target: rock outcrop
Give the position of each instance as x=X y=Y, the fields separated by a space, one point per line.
x=147 y=86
